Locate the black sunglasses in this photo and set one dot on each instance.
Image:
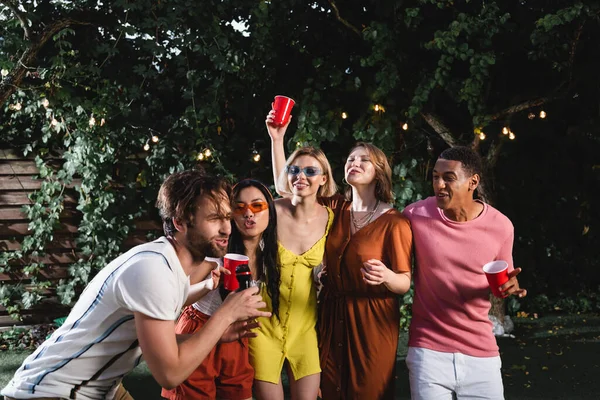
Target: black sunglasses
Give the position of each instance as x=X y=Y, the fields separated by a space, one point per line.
x=308 y=171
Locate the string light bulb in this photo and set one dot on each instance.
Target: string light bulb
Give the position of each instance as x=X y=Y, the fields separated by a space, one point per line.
x=45 y=102
x=505 y=130
x=17 y=107
x=542 y=114
x=511 y=136
x=92 y=121
x=482 y=136
x=155 y=139
x=102 y=122
x=376 y=107
x=146 y=147
x=207 y=153
x=255 y=156
x=298 y=144
x=531 y=116
x=54 y=122
x=405 y=126
x=200 y=157
x=344 y=115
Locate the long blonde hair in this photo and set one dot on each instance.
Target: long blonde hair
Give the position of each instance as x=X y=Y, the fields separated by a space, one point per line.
x=328 y=189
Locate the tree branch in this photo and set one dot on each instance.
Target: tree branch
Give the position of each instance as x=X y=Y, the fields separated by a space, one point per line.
x=439 y=127
x=485 y=190
x=11 y=82
x=493 y=153
x=14 y=8
x=520 y=107
x=342 y=20
x=574 y=49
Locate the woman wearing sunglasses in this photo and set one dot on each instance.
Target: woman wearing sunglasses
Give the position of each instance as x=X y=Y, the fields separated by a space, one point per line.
x=368 y=262
x=302 y=227
x=226 y=373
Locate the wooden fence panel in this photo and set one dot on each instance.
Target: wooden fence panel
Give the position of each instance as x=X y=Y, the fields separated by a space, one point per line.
x=17 y=182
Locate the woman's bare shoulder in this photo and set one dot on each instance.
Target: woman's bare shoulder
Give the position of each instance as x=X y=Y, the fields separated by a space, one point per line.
x=283 y=207
x=283 y=202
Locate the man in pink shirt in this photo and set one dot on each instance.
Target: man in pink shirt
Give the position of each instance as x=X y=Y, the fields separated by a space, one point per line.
x=452 y=350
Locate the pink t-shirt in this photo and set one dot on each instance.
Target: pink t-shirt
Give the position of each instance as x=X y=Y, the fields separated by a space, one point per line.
x=451 y=304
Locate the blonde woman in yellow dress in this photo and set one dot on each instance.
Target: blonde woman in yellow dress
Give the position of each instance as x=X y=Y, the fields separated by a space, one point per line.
x=302 y=227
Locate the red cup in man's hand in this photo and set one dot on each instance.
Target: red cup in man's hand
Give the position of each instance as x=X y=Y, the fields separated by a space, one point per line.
x=230 y=262
x=496 y=273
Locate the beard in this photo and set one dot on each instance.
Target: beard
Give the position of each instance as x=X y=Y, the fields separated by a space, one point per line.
x=201 y=247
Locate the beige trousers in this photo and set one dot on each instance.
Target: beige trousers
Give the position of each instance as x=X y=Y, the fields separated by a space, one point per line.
x=121 y=394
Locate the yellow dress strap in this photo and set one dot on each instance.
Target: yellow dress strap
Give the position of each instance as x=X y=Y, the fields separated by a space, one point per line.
x=329 y=220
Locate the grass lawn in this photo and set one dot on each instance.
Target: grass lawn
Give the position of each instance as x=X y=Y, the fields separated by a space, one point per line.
x=553 y=357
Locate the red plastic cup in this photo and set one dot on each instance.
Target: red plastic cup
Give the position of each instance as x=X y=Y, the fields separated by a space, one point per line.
x=496 y=273
x=230 y=262
x=283 y=107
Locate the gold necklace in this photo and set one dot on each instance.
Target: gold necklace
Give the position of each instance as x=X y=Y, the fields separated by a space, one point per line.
x=360 y=223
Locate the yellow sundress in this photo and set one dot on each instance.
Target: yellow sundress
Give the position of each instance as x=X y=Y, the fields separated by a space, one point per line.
x=293 y=337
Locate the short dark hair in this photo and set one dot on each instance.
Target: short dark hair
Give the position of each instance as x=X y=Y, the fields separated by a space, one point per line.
x=180 y=193
x=470 y=159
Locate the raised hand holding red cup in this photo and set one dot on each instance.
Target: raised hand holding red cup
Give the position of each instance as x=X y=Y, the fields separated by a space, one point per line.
x=282 y=105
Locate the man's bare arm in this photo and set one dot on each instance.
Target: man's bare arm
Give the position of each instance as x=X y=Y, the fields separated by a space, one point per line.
x=172 y=361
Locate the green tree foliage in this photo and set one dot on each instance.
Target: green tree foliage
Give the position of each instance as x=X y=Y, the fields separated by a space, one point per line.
x=100 y=82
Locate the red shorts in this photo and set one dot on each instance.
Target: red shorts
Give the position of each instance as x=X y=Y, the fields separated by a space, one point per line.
x=225 y=373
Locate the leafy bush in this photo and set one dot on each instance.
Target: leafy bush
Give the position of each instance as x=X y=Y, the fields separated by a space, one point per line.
x=19 y=338
x=126 y=97
x=584 y=302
